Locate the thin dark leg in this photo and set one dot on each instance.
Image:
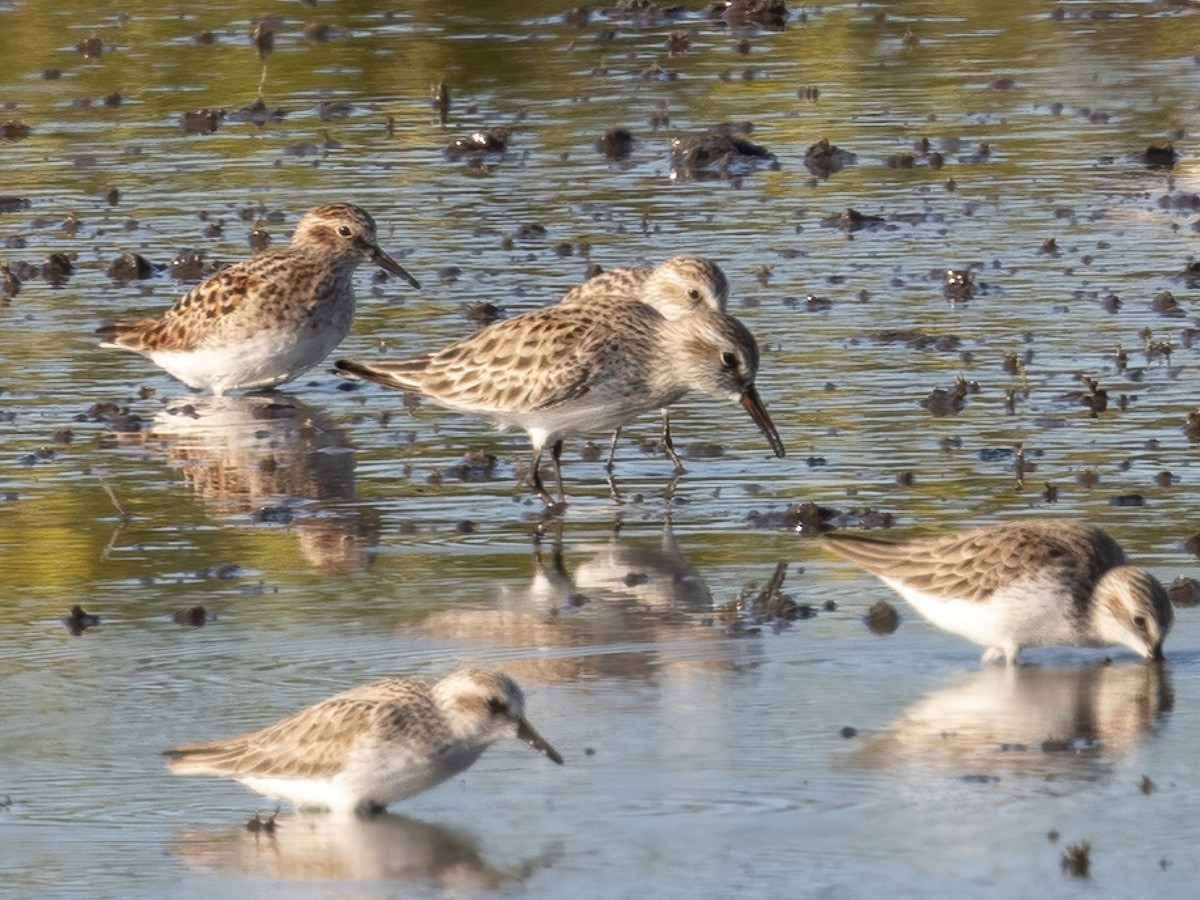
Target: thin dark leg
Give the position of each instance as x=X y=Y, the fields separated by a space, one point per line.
x=668 y=446
x=612 y=451
x=556 y=454
x=538 y=487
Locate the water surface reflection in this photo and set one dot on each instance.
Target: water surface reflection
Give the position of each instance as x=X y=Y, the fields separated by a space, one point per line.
x=324 y=848
x=1029 y=721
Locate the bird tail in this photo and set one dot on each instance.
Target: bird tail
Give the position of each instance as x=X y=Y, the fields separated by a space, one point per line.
x=124 y=335
x=404 y=374
x=198 y=759
x=872 y=553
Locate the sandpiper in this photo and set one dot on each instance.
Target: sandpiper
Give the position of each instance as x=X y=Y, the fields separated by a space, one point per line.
x=678 y=287
x=1026 y=583
x=563 y=370
x=362 y=749
x=267 y=319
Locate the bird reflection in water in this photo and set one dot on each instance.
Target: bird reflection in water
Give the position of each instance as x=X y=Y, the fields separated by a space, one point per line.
x=274 y=460
x=1057 y=723
x=309 y=847
x=631 y=605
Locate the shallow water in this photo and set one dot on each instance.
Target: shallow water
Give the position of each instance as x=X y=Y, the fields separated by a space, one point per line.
x=336 y=536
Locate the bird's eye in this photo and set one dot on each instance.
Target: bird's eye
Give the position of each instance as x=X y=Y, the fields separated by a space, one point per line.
x=694 y=294
x=344 y=230
x=729 y=359
x=1139 y=622
x=497 y=706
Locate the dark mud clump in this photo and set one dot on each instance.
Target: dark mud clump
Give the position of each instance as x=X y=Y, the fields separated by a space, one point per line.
x=824 y=159
x=768 y=14
x=78 y=621
x=476 y=465
x=617 y=143
x=257 y=113
x=191 y=616
x=490 y=145
x=811 y=519
x=190 y=265
x=1077 y=859
x=118 y=419
x=13 y=204
x=1184 y=592
x=852 y=220
x=958 y=286
x=882 y=618
x=57 y=269
x=644 y=12
x=10 y=284
x=201 y=121
x=14 y=130
x=916 y=339
x=941 y=402
x=1160 y=157
x=765 y=606
x=720 y=153
x=130 y=267
x=262 y=823
x=483 y=313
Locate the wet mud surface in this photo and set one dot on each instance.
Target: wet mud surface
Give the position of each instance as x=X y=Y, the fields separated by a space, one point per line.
x=965 y=238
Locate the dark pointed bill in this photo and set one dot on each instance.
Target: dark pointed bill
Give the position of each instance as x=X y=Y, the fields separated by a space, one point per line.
x=753 y=405
x=526 y=733
x=1156 y=653
x=388 y=264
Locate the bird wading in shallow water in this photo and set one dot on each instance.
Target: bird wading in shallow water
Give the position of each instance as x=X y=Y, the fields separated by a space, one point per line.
x=265 y=320
x=678 y=287
x=362 y=749
x=564 y=370
x=1026 y=583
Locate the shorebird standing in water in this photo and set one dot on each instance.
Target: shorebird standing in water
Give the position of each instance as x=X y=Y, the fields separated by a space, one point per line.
x=564 y=370
x=362 y=749
x=267 y=319
x=1026 y=583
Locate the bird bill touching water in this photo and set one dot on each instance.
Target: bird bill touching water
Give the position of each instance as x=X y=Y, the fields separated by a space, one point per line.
x=265 y=320
x=565 y=370
x=364 y=748
x=1026 y=583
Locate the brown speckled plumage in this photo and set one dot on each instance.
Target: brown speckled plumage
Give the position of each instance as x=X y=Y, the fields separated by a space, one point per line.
x=267 y=319
x=1022 y=583
x=680 y=286
x=370 y=745
x=563 y=370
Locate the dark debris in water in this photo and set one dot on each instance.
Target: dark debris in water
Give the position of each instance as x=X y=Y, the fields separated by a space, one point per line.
x=262 y=823
x=483 y=313
x=644 y=12
x=201 y=121
x=616 y=143
x=192 y=617
x=129 y=267
x=767 y=606
x=958 y=286
x=719 y=153
x=882 y=618
x=117 y=418
x=916 y=339
x=1077 y=860
x=941 y=402
x=476 y=465
x=824 y=159
x=808 y=518
x=771 y=15
x=490 y=145
x=257 y=113
x=1184 y=592
x=78 y=620
x=851 y=219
